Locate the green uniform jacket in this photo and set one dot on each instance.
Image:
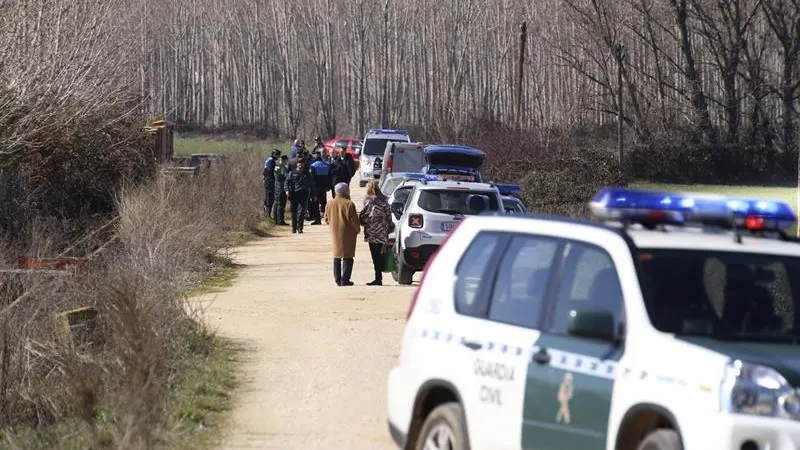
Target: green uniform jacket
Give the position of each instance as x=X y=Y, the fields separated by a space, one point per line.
x=281 y=173
x=299 y=184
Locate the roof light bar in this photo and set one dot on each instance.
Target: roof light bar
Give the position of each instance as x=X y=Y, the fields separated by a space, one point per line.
x=508 y=189
x=387 y=131
x=656 y=208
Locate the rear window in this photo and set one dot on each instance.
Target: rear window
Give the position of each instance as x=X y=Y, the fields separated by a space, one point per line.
x=457 y=202
x=376 y=147
x=721 y=295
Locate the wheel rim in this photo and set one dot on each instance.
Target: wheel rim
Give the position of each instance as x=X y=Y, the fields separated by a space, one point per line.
x=440 y=437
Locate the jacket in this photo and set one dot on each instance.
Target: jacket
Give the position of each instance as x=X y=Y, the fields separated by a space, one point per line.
x=321 y=173
x=269 y=171
x=341 y=215
x=281 y=173
x=298 y=184
x=377 y=219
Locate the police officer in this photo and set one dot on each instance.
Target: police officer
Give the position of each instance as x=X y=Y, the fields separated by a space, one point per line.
x=298 y=188
x=269 y=182
x=321 y=174
x=338 y=171
x=281 y=172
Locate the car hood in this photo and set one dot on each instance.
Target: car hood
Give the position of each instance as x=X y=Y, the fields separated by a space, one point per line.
x=783 y=357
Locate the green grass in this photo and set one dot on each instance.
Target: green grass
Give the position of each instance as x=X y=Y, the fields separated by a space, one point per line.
x=187 y=145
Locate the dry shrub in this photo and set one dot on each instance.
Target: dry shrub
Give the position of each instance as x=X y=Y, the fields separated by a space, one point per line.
x=165 y=232
x=556 y=176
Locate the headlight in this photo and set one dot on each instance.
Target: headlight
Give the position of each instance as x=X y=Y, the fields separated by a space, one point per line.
x=758 y=390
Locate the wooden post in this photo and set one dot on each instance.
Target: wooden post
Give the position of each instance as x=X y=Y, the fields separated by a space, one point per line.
x=523 y=37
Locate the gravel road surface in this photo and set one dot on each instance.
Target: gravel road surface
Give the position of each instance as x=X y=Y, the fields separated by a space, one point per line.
x=316 y=355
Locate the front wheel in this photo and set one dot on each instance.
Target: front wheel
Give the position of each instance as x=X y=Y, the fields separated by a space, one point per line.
x=661 y=440
x=443 y=429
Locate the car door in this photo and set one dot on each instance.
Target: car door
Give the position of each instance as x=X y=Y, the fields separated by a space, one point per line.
x=570 y=379
x=508 y=332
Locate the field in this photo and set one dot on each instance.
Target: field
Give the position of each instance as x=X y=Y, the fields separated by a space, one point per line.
x=221 y=144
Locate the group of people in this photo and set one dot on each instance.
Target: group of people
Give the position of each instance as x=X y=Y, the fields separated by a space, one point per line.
x=303 y=178
x=346 y=224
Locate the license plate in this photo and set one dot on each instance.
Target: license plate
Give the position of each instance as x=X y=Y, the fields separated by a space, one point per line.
x=447 y=226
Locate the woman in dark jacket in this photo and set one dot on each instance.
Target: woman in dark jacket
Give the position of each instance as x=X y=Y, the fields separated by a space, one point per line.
x=376 y=217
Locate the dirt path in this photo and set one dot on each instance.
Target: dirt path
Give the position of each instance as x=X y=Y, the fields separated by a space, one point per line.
x=317 y=355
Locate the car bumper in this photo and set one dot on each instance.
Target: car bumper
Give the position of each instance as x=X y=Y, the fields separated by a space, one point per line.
x=731 y=432
x=417 y=257
x=400 y=397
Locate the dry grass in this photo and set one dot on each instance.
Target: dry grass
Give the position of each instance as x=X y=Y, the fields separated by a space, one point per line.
x=144 y=381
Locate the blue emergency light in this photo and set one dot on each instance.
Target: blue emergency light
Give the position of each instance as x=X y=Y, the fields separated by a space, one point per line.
x=386 y=131
x=656 y=208
x=508 y=189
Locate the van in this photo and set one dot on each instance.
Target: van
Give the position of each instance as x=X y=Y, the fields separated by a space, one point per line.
x=454 y=162
x=402 y=157
x=373 y=148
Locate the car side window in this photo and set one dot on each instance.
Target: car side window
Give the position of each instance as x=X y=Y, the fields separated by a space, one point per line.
x=470 y=273
x=341 y=144
x=589 y=282
x=519 y=291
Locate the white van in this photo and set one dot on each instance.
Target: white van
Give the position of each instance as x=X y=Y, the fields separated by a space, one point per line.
x=402 y=157
x=374 y=145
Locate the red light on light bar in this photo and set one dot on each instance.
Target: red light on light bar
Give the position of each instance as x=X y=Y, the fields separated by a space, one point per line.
x=754 y=223
x=657 y=216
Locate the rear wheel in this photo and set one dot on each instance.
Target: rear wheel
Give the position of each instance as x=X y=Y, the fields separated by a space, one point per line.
x=661 y=440
x=443 y=429
x=402 y=274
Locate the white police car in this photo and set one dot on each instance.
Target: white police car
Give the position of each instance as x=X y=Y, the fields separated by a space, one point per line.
x=431 y=210
x=374 y=146
x=674 y=327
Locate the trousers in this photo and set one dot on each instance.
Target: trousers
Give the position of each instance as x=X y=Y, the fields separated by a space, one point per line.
x=342 y=270
x=298 y=209
x=376 y=250
x=279 y=209
x=269 y=198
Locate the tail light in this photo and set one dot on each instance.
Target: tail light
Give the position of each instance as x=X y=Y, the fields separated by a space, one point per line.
x=427 y=266
x=415 y=221
x=389 y=164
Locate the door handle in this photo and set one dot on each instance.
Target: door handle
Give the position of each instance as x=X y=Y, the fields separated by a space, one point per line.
x=541 y=357
x=472 y=345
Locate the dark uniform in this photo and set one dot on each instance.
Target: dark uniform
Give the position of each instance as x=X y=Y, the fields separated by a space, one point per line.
x=298 y=189
x=338 y=173
x=321 y=174
x=269 y=182
x=281 y=172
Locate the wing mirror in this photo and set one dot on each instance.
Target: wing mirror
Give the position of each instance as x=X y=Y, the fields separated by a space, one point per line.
x=397 y=209
x=593 y=324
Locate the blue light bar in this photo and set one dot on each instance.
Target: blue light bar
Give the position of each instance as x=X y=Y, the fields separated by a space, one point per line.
x=414 y=176
x=387 y=131
x=508 y=189
x=678 y=208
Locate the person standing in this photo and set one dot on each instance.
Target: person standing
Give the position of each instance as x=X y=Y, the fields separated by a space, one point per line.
x=342 y=217
x=281 y=172
x=318 y=146
x=350 y=163
x=294 y=149
x=269 y=182
x=336 y=163
x=376 y=217
x=298 y=188
x=321 y=174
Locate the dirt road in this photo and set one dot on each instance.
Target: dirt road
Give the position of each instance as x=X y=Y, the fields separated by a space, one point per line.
x=317 y=355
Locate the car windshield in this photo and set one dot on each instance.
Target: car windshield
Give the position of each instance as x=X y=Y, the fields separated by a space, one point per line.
x=376 y=147
x=511 y=205
x=450 y=201
x=722 y=295
x=401 y=194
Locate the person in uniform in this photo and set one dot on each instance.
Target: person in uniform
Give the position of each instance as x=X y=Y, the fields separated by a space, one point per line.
x=281 y=172
x=269 y=182
x=321 y=175
x=298 y=188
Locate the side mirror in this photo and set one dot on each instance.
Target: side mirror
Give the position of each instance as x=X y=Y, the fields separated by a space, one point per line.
x=397 y=209
x=593 y=324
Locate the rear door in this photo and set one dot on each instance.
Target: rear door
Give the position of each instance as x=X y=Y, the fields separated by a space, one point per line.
x=408 y=158
x=570 y=379
x=516 y=298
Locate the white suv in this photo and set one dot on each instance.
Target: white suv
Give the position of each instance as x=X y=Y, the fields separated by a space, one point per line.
x=675 y=329
x=431 y=210
x=374 y=147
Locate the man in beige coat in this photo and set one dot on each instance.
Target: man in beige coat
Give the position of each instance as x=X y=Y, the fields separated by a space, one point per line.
x=342 y=217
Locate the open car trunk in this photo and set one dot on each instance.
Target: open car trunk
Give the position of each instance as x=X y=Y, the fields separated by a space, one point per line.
x=456 y=159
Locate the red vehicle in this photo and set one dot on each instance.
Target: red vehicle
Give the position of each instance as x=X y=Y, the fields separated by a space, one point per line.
x=352 y=146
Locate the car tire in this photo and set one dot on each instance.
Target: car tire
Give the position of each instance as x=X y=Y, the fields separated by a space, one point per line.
x=662 y=439
x=405 y=275
x=444 y=429
x=362 y=183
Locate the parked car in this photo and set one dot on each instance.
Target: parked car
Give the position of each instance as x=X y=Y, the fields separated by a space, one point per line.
x=454 y=162
x=374 y=146
x=352 y=146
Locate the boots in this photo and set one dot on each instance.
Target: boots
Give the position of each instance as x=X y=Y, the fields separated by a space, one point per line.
x=337 y=271
x=347 y=270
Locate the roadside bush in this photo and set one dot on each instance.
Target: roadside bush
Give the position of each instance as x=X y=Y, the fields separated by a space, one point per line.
x=555 y=178
x=116 y=389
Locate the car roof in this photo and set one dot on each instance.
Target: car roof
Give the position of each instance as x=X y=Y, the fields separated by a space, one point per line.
x=457 y=184
x=452 y=148
x=386 y=131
